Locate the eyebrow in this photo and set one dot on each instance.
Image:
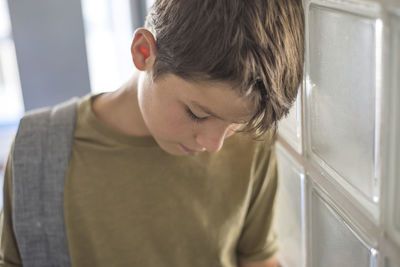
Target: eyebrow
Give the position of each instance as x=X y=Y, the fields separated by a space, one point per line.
x=208 y=111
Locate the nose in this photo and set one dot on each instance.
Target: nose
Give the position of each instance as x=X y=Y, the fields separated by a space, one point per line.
x=212 y=138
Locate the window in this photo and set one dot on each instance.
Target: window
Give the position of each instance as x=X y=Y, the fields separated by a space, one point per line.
x=109 y=33
x=11 y=104
x=10 y=90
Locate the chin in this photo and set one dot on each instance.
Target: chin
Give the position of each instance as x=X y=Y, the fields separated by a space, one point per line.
x=175 y=152
x=171 y=149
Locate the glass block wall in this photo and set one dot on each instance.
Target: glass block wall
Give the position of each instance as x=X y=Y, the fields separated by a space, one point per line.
x=339 y=148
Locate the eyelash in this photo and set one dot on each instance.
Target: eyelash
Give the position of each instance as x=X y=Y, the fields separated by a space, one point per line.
x=194 y=117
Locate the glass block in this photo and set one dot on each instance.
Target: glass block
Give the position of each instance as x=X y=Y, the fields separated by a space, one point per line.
x=290 y=127
x=333 y=242
x=290 y=210
x=341 y=93
x=389 y=263
x=396 y=68
x=396 y=198
x=393 y=190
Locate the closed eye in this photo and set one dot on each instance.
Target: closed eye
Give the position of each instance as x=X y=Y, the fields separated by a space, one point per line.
x=193 y=116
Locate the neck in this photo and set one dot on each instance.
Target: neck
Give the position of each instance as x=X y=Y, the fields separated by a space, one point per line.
x=120 y=110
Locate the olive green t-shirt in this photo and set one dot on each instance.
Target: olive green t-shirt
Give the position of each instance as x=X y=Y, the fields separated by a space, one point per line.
x=129 y=203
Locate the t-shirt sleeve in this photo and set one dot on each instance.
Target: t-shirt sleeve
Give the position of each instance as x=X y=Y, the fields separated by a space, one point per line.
x=9 y=254
x=258 y=240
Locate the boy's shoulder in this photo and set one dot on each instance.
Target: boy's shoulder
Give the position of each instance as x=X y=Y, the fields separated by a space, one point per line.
x=42 y=122
x=40 y=159
x=244 y=149
x=246 y=141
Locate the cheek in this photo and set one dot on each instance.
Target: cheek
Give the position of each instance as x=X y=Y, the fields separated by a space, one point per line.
x=173 y=122
x=179 y=123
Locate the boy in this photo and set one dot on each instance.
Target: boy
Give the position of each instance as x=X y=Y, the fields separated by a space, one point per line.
x=149 y=182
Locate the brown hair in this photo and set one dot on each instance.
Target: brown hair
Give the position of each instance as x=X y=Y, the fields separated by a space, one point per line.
x=255 y=45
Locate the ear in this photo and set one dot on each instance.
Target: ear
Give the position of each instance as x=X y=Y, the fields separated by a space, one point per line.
x=143 y=49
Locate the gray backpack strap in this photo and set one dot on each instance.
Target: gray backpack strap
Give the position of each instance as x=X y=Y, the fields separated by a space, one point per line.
x=40 y=160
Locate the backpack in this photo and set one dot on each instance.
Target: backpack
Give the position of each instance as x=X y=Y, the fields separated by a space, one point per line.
x=41 y=154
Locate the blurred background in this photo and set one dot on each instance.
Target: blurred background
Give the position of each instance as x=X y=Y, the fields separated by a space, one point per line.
x=53 y=50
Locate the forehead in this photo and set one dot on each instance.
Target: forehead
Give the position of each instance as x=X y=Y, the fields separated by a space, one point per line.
x=219 y=99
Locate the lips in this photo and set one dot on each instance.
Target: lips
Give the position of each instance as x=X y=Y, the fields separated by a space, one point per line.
x=188 y=150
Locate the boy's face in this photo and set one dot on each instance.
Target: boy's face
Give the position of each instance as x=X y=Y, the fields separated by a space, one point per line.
x=187 y=117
